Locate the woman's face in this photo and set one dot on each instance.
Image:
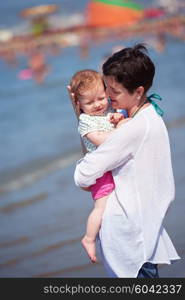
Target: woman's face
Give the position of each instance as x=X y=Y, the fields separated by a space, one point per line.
x=119 y=96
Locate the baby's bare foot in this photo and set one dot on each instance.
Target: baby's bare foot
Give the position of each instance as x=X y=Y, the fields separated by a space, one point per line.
x=90 y=248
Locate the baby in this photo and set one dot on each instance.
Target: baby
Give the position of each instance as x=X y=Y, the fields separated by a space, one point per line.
x=97 y=120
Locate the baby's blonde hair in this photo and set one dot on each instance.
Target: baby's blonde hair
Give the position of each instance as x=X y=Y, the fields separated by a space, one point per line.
x=84 y=80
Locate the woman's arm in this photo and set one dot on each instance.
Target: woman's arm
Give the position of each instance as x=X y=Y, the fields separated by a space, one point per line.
x=119 y=148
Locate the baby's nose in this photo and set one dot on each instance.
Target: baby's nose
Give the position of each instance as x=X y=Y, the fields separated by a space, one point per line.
x=97 y=105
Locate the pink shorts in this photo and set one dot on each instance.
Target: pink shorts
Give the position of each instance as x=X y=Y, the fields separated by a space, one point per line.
x=103 y=186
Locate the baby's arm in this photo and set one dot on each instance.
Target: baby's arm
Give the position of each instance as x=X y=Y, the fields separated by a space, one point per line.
x=98 y=137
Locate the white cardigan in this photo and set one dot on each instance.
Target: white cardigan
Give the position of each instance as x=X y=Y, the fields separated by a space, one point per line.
x=132 y=232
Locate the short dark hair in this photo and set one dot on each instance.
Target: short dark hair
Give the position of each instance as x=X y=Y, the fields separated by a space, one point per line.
x=131 y=67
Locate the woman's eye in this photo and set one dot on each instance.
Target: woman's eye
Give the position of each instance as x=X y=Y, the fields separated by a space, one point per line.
x=115 y=92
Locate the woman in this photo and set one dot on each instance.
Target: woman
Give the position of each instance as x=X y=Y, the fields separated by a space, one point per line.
x=132 y=237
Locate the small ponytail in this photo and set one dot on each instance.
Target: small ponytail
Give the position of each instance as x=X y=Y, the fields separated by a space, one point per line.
x=139 y=48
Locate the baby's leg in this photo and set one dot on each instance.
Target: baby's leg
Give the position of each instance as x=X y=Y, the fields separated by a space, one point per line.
x=93 y=226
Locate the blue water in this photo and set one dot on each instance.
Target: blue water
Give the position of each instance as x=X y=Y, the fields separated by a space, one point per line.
x=43 y=214
x=38 y=121
x=10 y=10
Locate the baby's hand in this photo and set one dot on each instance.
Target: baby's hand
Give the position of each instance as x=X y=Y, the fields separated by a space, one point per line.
x=115 y=118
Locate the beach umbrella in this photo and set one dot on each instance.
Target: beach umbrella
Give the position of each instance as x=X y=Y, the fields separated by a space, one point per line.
x=113 y=13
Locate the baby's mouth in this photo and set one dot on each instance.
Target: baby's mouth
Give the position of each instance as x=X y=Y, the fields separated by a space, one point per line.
x=99 y=109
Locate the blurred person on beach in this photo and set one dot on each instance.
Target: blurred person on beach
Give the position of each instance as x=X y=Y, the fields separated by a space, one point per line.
x=97 y=120
x=38 y=65
x=133 y=240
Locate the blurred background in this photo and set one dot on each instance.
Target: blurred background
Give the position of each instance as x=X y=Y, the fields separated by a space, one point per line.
x=42 y=214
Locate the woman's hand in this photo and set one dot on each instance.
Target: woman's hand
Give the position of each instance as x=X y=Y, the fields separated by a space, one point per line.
x=71 y=95
x=76 y=104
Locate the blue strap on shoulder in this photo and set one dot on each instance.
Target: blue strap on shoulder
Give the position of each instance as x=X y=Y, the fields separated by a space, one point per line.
x=158 y=110
x=123 y=112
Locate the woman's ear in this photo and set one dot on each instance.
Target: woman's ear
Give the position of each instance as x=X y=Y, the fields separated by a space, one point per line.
x=139 y=92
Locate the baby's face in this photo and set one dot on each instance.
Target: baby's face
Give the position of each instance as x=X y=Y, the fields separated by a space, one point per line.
x=94 y=101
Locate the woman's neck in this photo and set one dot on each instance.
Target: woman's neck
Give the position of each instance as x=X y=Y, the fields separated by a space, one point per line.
x=137 y=107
